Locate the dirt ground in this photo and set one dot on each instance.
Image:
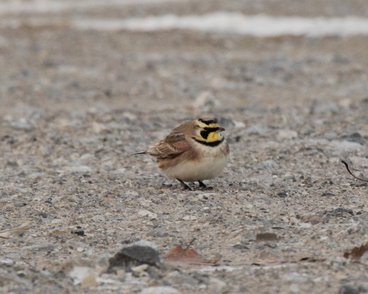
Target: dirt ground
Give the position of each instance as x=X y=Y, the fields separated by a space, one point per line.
x=75 y=104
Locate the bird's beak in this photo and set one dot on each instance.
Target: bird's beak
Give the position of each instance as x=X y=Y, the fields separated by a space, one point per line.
x=221 y=129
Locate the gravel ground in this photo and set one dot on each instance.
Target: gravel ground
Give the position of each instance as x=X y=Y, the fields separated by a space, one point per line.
x=75 y=104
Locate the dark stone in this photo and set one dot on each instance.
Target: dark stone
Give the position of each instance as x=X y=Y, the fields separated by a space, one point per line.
x=328 y=194
x=263 y=237
x=43 y=214
x=365 y=100
x=348 y=290
x=339 y=212
x=240 y=247
x=8 y=139
x=356 y=138
x=49 y=201
x=79 y=231
x=12 y=163
x=134 y=255
x=282 y=194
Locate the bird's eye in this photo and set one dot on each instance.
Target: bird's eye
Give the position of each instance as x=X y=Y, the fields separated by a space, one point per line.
x=205 y=133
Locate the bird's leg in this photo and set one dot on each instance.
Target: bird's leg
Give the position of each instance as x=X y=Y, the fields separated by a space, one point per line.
x=185 y=186
x=201 y=185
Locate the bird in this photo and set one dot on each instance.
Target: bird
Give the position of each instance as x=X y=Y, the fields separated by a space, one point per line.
x=193 y=152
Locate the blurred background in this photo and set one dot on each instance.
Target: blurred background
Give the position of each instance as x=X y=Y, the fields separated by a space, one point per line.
x=181 y=54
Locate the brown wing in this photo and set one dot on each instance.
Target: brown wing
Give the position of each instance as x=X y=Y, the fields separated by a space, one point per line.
x=172 y=146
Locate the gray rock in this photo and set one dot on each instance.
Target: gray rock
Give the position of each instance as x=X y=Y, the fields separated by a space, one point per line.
x=157 y=233
x=240 y=247
x=144 y=243
x=160 y=290
x=339 y=212
x=356 y=138
x=295 y=277
x=44 y=246
x=98 y=218
x=132 y=256
x=348 y=290
x=6 y=262
x=22 y=124
x=216 y=285
x=348 y=146
x=286 y=134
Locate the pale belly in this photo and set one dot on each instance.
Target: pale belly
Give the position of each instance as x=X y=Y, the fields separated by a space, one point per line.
x=192 y=171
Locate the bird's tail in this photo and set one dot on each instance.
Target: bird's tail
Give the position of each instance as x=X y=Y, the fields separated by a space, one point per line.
x=142 y=152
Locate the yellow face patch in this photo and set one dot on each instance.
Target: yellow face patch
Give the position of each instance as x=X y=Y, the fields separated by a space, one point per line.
x=214 y=136
x=208 y=132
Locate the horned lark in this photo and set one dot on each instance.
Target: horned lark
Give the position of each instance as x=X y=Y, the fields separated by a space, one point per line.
x=194 y=151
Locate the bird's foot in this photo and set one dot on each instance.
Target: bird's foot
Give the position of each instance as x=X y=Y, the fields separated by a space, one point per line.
x=185 y=186
x=203 y=186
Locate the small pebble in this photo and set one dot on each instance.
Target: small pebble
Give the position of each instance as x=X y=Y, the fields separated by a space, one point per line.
x=57 y=221
x=78 y=169
x=144 y=212
x=158 y=233
x=98 y=218
x=189 y=217
x=140 y=268
x=44 y=246
x=286 y=135
x=7 y=262
x=216 y=284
